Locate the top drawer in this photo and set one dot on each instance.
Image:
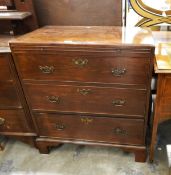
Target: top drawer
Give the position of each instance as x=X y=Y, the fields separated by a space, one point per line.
x=84 y=66
x=5 y=72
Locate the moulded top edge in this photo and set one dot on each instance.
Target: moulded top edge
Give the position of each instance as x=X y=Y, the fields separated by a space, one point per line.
x=87 y=35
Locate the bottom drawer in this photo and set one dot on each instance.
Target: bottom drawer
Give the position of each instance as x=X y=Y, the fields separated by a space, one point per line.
x=12 y=121
x=101 y=129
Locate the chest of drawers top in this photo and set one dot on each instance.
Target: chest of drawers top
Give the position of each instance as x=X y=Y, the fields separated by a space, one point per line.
x=81 y=37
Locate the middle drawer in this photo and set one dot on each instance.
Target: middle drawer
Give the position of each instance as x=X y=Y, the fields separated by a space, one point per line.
x=87 y=99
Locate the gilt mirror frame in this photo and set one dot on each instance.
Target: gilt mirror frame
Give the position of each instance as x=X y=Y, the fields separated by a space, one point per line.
x=150 y=15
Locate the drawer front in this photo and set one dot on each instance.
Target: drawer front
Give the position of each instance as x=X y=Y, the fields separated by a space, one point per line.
x=84 y=67
x=102 y=129
x=87 y=99
x=8 y=96
x=12 y=121
x=5 y=72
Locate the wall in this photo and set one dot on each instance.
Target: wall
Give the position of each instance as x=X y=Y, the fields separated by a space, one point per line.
x=79 y=12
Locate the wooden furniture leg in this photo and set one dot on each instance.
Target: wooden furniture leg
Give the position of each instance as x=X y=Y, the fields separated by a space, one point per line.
x=44 y=146
x=156 y=118
x=1 y=148
x=153 y=139
x=140 y=155
x=168 y=147
x=3 y=141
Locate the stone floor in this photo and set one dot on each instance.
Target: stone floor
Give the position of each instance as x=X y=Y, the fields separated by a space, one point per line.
x=20 y=159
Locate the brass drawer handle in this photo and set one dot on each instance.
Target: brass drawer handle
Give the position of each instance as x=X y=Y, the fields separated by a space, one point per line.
x=120 y=131
x=84 y=91
x=86 y=120
x=2 y=121
x=118 y=72
x=80 y=62
x=47 y=69
x=60 y=127
x=53 y=99
x=118 y=102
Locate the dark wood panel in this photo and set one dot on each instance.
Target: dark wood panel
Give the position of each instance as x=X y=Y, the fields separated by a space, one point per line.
x=165 y=96
x=5 y=27
x=166 y=105
x=87 y=99
x=167 y=86
x=13 y=121
x=79 y=12
x=85 y=67
x=6 y=3
x=5 y=72
x=8 y=96
x=30 y=23
x=111 y=130
x=16 y=84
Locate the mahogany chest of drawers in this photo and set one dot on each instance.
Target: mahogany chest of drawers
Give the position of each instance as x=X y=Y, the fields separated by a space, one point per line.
x=87 y=85
x=15 y=120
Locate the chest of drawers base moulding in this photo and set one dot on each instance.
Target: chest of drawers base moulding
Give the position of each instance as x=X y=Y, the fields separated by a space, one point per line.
x=87 y=70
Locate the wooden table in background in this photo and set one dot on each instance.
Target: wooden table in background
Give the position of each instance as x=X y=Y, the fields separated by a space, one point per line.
x=162 y=66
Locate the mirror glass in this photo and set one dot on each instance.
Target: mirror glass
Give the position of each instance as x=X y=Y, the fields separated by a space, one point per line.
x=159 y=4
